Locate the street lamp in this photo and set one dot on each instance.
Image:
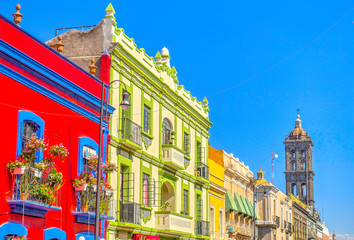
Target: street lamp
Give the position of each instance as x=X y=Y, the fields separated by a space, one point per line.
x=125 y=104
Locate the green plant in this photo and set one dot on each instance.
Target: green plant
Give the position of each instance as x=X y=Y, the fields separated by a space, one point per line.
x=110 y=167
x=19 y=162
x=93 y=162
x=43 y=192
x=58 y=151
x=78 y=182
x=165 y=206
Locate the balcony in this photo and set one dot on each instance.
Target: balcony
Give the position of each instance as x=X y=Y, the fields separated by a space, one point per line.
x=172 y=157
x=33 y=202
x=174 y=223
x=130 y=213
x=202 y=228
x=201 y=172
x=129 y=134
x=86 y=205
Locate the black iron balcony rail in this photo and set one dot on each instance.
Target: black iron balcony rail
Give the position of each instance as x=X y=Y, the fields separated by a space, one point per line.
x=202 y=170
x=130 y=213
x=129 y=130
x=203 y=228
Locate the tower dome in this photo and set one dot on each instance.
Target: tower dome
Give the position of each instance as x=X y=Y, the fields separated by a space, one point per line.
x=298 y=131
x=165 y=52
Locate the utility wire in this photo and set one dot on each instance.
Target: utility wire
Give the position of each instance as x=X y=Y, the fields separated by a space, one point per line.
x=285 y=59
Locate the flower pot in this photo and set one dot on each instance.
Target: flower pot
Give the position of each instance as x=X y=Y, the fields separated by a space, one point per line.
x=108 y=192
x=36 y=172
x=84 y=208
x=94 y=188
x=19 y=171
x=81 y=188
x=24 y=196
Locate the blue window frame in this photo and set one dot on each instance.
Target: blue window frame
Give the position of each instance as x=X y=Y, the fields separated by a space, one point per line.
x=54 y=234
x=15 y=229
x=87 y=148
x=29 y=123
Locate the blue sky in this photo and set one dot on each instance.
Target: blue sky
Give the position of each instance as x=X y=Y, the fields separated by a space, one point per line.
x=218 y=44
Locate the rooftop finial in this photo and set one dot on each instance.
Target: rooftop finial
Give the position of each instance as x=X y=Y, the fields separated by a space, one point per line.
x=110 y=11
x=60 y=45
x=17 y=15
x=92 y=67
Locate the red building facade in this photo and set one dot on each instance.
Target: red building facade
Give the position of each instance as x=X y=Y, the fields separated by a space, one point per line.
x=43 y=93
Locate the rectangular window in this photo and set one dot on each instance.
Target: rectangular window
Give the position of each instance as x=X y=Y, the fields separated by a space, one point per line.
x=185 y=201
x=145 y=189
x=147 y=119
x=29 y=128
x=186 y=145
x=220 y=222
x=87 y=153
x=212 y=222
x=199 y=152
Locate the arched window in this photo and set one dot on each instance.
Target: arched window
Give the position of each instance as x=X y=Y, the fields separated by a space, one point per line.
x=166 y=132
x=293 y=165
x=293 y=154
x=54 y=234
x=303 y=165
x=303 y=189
x=87 y=149
x=293 y=189
x=28 y=124
x=9 y=230
x=303 y=154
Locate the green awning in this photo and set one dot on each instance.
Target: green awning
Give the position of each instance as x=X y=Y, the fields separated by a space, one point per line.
x=229 y=202
x=250 y=206
x=248 y=211
x=240 y=205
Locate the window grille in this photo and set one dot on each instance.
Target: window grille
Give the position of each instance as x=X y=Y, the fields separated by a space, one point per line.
x=88 y=153
x=187 y=145
x=127 y=187
x=151 y=189
x=146 y=119
x=29 y=128
x=185 y=200
x=199 y=208
x=200 y=153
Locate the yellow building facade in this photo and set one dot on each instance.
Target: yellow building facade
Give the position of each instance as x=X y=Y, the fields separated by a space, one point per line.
x=239 y=207
x=216 y=194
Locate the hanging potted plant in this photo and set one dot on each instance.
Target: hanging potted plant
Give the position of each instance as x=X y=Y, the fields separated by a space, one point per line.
x=109 y=167
x=17 y=167
x=38 y=169
x=20 y=238
x=79 y=184
x=58 y=152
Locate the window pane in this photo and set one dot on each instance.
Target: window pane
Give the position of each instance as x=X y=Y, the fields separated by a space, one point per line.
x=185 y=201
x=88 y=153
x=145 y=189
x=29 y=128
x=146 y=119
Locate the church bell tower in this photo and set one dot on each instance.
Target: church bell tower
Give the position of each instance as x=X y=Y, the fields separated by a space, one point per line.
x=298 y=164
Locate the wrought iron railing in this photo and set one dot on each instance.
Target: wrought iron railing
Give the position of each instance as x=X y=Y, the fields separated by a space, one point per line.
x=129 y=130
x=86 y=201
x=130 y=213
x=203 y=228
x=202 y=170
x=30 y=186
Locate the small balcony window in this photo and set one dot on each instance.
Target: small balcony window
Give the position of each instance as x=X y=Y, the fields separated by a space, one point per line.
x=147 y=119
x=186 y=144
x=167 y=132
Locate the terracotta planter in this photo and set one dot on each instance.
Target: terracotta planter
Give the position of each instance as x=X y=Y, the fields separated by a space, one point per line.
x=19 y=171
x=84 y=208
x=24 y=196
x=81 y=188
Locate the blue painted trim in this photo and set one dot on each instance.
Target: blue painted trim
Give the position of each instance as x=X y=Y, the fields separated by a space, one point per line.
x=85 y=141
x=46 y=92
x=86 y=235
x=29 y=116
x=12 y=228
x=25 y=62
x=49 y=48
x=102 y=229
x=54 y=233
x=88 y=217
x=30 y=208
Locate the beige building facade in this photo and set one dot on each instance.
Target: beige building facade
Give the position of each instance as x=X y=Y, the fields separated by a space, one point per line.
x=238 y=199
x=275 y=211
